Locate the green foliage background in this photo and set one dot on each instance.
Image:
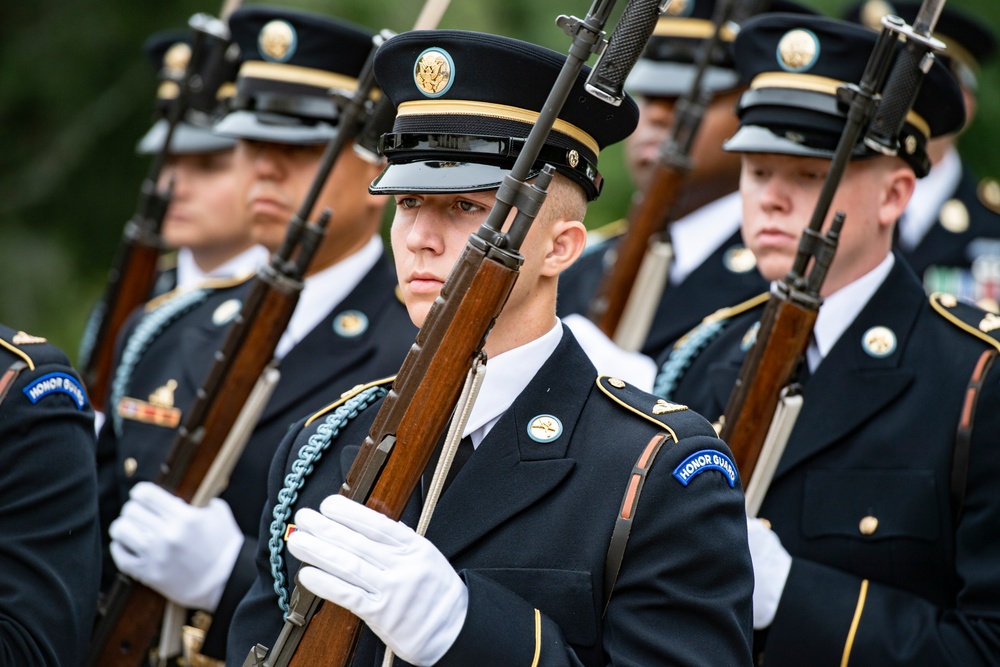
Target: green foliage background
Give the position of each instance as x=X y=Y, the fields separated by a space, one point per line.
x=76 y=94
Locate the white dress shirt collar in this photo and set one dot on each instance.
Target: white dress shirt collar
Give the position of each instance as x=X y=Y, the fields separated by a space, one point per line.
x=248 y=261
x=507 y=375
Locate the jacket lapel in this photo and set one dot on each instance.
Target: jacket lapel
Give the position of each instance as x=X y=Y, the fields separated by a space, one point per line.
x=848 y=370
x=509 y=472
x=324 y=355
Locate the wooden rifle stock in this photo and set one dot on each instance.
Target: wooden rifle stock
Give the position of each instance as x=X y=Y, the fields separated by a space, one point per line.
x=784 y=333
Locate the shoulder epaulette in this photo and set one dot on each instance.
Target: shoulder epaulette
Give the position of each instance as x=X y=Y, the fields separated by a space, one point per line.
x=723 y=314
x=989 y=194
x=348 y=395
x=971 y=319
x=680 y=423
x=207 y=284
x=13 y=343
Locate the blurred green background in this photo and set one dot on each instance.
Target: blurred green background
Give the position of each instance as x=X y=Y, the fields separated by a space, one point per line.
x=76 y=94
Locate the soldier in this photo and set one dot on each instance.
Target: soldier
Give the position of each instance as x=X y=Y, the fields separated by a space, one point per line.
x=711 y=266
x=512 y=568
x=50 y=554
x=883 y=508
x=348 y=326
x=950 y=232
x=204 y=223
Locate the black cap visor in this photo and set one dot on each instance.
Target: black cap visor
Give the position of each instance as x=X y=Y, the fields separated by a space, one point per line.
x=466 y=163
x=275 y=128
x=187 y=139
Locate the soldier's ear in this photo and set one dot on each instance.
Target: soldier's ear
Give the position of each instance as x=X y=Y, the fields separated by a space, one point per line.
x=568 y=238
x=898 y=184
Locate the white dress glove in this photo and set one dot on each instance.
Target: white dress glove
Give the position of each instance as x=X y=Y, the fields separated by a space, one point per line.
x=386 y=574
x=771 y=564
x=184 y=553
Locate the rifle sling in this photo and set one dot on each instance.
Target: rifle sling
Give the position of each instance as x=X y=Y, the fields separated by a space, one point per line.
x=963 y=437
x=623 y=524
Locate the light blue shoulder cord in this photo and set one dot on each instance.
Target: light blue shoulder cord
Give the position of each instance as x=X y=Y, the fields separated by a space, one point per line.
x=145 y=333
x=302 y=467
x=682 y=357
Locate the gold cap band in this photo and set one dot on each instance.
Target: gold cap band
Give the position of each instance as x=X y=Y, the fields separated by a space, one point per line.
x=691 y=29
x=474 y=108
x=257 y=69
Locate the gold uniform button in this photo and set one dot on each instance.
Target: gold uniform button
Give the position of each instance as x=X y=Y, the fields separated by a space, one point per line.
x=868 y=525
x=616 y=383
x=131 y=465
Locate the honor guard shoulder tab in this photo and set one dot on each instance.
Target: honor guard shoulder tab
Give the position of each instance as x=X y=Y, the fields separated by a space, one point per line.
x=971 y=319
x=348 y=395
x=674 y=418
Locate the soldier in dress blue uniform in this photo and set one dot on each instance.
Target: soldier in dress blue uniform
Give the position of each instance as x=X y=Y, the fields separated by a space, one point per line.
x=711 y=267
x=950 y=233
x=204 y=223
x=50 y=559
x=348 y=326
x=512 y=568
x=884 y=505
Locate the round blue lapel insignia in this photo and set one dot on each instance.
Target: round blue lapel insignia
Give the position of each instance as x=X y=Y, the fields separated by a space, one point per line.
x=350 y=323
x=545 y=428
x=879 y=342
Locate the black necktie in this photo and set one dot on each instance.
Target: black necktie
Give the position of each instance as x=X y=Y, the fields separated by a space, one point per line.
x=462 y=455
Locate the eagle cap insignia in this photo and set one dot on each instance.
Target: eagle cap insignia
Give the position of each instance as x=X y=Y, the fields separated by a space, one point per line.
x=798 y=50
x=434 y=72
x=277 y=40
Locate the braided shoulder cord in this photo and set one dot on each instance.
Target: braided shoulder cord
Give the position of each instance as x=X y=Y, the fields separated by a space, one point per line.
x=302 y=467
x=145 y=332
x=683 y=356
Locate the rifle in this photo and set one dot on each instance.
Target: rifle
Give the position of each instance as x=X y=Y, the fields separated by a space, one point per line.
x=630 y=290
x=131 y=613
x=133 y=272
x=877 y=109
x=424 y=394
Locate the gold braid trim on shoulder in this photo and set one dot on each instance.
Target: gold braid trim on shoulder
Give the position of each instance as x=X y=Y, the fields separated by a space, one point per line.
x=943 y=311
x=347 y=395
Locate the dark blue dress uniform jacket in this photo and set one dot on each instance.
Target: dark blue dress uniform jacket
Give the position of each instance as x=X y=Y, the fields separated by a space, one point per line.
x=528 y=524
x=941 y=247
x=876 y=438
x=315 y=372
x=709 y=287
x=50 y=558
